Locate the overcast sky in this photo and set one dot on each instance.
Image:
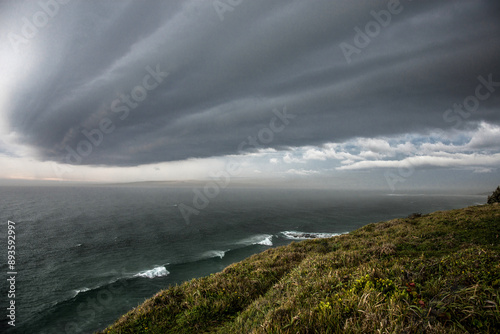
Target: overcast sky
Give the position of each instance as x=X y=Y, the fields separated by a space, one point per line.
x=385 y=93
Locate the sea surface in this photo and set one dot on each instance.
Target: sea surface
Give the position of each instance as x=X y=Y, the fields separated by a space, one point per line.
x=87 y=254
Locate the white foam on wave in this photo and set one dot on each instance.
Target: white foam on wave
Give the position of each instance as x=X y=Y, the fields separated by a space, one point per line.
x=214 y=253
x=268 y=241
x=80 y=291
x=152 y=273
x=261 y=239
x=296 y=235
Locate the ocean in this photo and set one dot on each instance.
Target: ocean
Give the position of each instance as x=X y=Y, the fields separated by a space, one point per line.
x=85 y=255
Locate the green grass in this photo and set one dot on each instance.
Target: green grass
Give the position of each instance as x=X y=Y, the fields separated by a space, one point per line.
x=437 y=273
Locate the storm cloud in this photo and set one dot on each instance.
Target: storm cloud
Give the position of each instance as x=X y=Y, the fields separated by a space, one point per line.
x=127 y=83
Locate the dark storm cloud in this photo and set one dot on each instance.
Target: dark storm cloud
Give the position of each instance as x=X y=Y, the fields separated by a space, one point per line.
x=226 y=76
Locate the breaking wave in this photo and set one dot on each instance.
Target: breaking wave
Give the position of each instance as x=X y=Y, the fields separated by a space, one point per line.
x=261 y=239
x=214 y=253
x=296 y=235
x=152 y=273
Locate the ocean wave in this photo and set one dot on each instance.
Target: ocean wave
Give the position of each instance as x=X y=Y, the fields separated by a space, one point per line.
x=98 y=287
x=296 y=235
x=261 y=239
x=214 y=253
x=76 y=292
x=268 y=241
x=152 y=273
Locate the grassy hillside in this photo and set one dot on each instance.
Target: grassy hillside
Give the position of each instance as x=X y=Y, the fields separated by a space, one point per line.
x=436 y=273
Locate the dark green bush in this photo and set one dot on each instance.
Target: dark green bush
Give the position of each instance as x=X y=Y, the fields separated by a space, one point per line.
x=495 y=197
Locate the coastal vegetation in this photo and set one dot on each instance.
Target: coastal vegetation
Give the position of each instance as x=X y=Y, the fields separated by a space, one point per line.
x=495 y=197
x=431 y=273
